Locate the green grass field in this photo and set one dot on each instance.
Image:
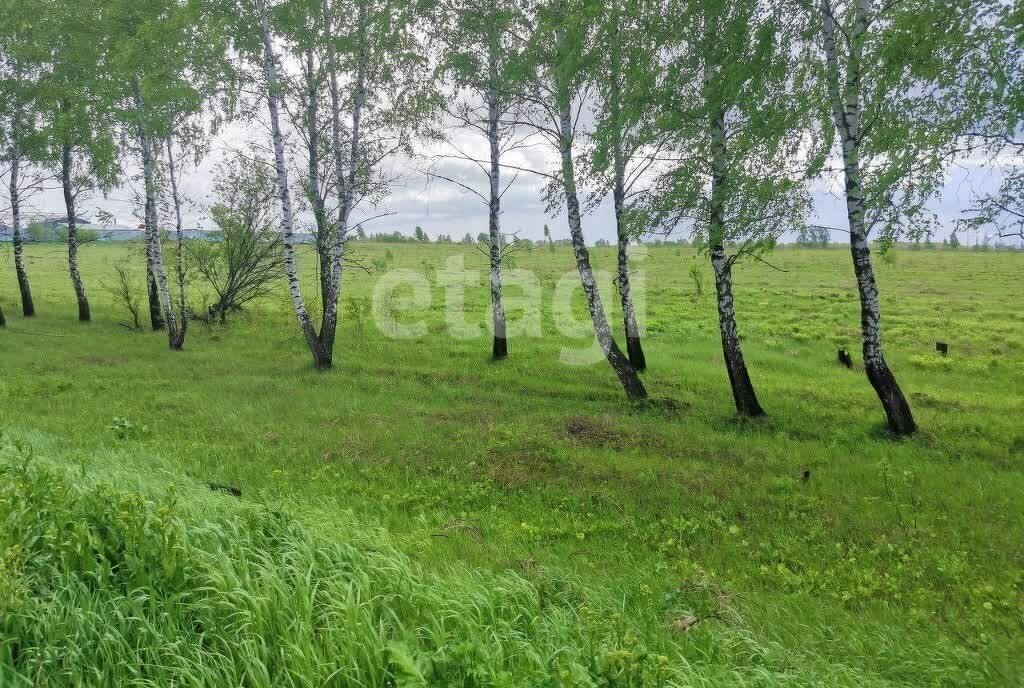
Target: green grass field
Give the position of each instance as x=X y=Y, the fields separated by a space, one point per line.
x=518 y=523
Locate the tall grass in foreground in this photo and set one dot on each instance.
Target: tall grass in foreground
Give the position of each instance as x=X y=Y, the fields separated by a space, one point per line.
x=103 y=586
x=112 y=575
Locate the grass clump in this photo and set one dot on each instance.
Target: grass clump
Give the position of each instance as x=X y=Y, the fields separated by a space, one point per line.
x=102 y=585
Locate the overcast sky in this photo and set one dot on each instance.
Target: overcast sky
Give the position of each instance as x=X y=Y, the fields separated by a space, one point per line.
x=443 y=208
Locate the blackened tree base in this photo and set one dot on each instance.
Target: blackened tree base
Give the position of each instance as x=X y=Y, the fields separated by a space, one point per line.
x=500 y=349
x=898 y=415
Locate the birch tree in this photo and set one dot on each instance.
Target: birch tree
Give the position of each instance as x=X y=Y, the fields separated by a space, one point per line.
x=73 y=99
x=480 y=52
x=626 y=141
x=370 y=66
x=22 y=61
x=735 y=119
x=896 y=86
x=165 y=56
x=556 y=91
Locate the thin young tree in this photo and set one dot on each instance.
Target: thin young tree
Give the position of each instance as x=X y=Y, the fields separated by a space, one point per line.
x=726 y=98
x=22 y=61
x=244 y=262
x=897 y=91
x=479 y=60
x=179 y=233
x=76 y=125
x=626 y=141
x=555 y=88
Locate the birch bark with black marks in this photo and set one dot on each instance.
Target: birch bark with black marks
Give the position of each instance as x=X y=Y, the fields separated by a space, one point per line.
x=346 y=173
x=323 y=230
x=67 y=169
x=154 y=245
x=156 y=311
x=321 y=359
x=627 y=375
x=846 y=115
x=500 y=348
x=28 y=308
x=739 y=378
x=178 y=342
x=634 y=348
x=156 y=317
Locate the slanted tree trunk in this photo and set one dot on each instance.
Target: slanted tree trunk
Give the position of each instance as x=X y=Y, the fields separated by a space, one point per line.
x=154 y=245
x=634 y=349
x=322 y=357
x=178 y=342
x=500 y=348
x=28 y=309
x=846 y=115
x=739 y=378
x=898 y=415
x=627 y=375
x=67 y=169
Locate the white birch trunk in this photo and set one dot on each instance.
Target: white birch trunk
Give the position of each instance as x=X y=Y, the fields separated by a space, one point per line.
x=27 y=306
x=500 y=347
x=743 y=392
x=154 y=247
x=281 y=168
x=179 y=341
x=846 y=115
x=67 y=169
x=634 y=348
x=346 y=177
x=627 y=375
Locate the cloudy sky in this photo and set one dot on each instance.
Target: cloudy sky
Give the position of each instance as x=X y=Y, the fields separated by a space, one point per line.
x=442 y=208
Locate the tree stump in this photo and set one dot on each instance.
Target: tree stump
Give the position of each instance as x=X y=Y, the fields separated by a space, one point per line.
x=844 y=358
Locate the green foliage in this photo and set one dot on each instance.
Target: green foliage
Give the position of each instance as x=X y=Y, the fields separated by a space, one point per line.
x=696 y=273
x=37 y=231
x=732 y=65
x=73 y=103
x=85 y=236
x=357 y=309
x=922 y=74
x=124 y=429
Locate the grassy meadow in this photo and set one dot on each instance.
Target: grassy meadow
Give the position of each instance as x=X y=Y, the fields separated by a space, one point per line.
x=421 y=515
